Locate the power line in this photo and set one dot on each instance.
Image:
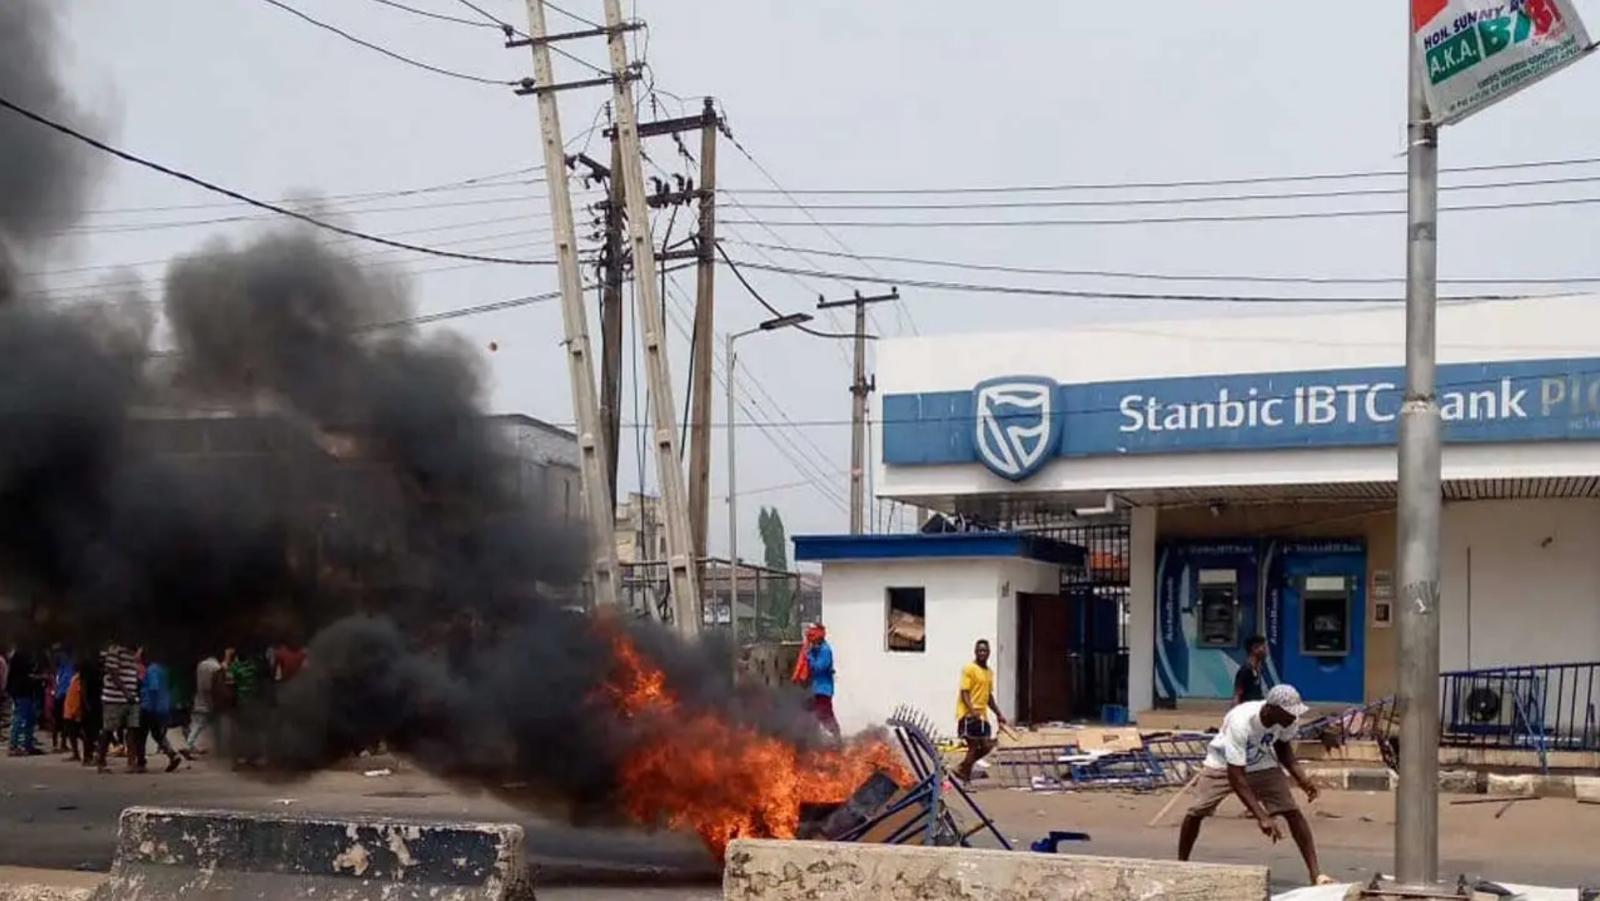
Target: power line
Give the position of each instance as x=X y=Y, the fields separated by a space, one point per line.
x=797 y=456
x=1093 y=295
x=1175 y=201
x=429 y=67
x=428 y=318
x=475 y=183
x=512 y=31
x=126 y=227
x=574 y=16
x=428 y=14
x=968 y=420
x=1180 y=183
x=1174 y=276
x=341 y=242
x=124 y=155
x=745 y=152
x=722 y=252
x=1172 y=220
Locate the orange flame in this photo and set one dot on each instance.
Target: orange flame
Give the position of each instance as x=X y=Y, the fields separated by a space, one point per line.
x=695 y=771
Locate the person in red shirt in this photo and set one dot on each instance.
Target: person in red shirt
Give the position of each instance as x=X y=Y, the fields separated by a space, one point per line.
x=288 y=660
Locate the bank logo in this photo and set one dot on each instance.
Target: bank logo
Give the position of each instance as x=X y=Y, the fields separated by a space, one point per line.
x=1017 y=424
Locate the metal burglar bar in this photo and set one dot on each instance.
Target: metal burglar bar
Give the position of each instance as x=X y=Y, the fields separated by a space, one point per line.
x=1543 y=709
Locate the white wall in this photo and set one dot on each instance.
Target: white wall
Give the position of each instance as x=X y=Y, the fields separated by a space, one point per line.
x=963 y=605
x=1361 y=337
x=1532 y=593
x=1142 y=609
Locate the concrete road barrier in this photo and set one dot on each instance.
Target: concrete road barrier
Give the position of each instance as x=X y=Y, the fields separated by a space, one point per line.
x=230 y=856
x=824 y=871
x=20 y=884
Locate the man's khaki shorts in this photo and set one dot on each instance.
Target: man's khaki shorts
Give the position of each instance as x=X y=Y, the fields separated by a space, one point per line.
x=1271 y=788
x=120 y=716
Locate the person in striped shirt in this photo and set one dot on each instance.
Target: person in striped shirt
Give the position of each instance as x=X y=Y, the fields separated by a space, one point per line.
x=119 y=698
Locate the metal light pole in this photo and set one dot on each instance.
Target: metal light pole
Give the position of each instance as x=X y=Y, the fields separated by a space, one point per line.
x=733 y=493
x=1416 y=829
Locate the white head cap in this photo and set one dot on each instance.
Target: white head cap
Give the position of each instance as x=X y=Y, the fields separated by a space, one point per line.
x=1288 y=698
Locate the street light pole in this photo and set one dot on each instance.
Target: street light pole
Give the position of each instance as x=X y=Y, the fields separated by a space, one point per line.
x=792 y=319
x=1416 y=829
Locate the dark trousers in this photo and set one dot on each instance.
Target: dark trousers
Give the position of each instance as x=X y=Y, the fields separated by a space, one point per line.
x=153 y=725
x=24 y=720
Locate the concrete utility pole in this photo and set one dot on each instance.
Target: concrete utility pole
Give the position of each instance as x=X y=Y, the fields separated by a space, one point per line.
x=704 y=335
x=704 y=254
x=860 y=387
x=1416 y=828
x=681 y=575
x=615 y=269
x=591 y=445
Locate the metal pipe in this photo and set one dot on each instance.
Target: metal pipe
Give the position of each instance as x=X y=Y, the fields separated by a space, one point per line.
x=733 y=499
x=1416 y=830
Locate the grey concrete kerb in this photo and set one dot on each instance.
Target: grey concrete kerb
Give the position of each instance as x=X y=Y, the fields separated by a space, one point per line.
x=1465 y=782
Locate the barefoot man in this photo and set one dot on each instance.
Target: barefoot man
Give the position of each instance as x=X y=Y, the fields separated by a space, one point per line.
x=1248 y=758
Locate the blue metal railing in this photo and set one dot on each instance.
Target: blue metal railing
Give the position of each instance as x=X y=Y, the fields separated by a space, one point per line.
x=1544 y=708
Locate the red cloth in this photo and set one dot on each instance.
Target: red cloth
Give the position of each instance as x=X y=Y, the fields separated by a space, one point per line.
x=290 y=660
x=802 y=667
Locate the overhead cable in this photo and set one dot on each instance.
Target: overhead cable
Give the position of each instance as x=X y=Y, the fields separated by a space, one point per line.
x=1091 y=294
x=379 y=48
x=8 y=104
x=1177 y=183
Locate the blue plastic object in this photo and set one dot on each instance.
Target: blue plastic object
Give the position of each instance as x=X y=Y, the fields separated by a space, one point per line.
x=1051 y=844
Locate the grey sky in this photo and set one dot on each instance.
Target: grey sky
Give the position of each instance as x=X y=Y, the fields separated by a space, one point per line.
x=825 y=94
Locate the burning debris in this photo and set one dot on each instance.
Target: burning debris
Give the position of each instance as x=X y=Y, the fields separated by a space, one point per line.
x=603 y=719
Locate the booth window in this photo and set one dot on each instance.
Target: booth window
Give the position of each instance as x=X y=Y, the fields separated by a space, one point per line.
x=905 y=616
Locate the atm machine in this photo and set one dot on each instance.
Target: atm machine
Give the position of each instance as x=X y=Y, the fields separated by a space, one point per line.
x=1217 y=611
x=1325 y=615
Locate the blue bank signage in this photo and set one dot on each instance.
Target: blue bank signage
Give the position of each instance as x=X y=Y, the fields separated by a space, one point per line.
x=1016 y=425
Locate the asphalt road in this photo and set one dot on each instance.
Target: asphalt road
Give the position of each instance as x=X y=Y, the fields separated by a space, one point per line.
x=57 y=815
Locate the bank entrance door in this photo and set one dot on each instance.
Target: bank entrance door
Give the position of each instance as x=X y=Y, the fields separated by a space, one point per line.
x=1073 y=656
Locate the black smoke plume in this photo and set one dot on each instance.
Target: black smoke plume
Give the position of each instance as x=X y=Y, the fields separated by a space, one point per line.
x=361 y=502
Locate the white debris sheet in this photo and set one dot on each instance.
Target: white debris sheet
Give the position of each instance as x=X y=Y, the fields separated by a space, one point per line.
x=1338 y=892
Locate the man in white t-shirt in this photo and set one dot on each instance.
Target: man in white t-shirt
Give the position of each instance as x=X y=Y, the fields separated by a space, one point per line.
x=1248 y=757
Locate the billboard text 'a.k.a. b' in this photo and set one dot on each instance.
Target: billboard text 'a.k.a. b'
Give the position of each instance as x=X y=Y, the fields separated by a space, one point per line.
x=1478 y=52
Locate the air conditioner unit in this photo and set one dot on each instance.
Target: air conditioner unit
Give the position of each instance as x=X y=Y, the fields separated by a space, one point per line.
x=1496 y=703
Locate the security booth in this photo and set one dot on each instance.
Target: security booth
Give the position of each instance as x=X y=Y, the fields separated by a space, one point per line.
x=1246 y=466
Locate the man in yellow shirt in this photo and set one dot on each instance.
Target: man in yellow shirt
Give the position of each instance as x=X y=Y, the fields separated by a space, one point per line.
x=973 y=704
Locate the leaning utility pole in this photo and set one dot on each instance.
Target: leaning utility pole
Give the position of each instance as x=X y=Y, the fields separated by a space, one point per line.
x=1417 y=797
x=704 y=335
x=860 y=387
x=681 y=575
x=591 y=445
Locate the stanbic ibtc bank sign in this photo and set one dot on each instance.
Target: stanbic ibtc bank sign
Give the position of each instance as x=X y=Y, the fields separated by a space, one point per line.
x=1015 y=425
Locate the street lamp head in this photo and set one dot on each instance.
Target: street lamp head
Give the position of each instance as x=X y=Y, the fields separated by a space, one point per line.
x=791 y=319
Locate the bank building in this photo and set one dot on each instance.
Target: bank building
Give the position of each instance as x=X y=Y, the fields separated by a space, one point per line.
x=1119 y=508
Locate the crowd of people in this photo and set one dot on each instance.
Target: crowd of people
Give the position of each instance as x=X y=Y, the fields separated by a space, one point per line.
x=118 y=701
